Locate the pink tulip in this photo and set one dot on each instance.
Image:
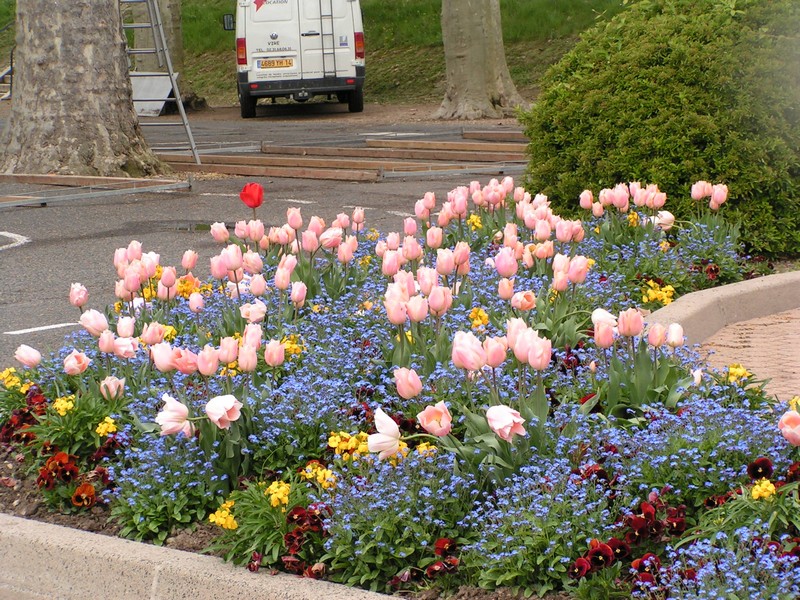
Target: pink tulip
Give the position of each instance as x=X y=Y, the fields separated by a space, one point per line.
x=358 y=216
x=189 y=260
x=505 y=289
x=208 y=360
x=283 y=278
x=134 y=251
x=252 y=335
x=445 y=261
x=523 y=301
x=76 y=363
x=630 y=323
x=112 y=388
x=578 y=269
x=789 y=426
x=173 y=417
x=434 y=237
x=391 y=263
x=387 y=441
x=331 y=238
x=148 y=264
x=657 y=335
x=228 y=350
x=496 y=350
x=252 y=263
x=120 y=260
x=168 y=277
x=294 y=218
x=539 y=353
x=162 y=357
x=429 y=200
x=248 y=358
x=411 y=249
x=461 y=253
x=427 y=278
x=417 y=308
x=253 y=313
x=542 y=230
x=133 y=279
x=586 y=199
x=405 y=281
x=468 y=353
x=218 y=268
x=152 y=333
x=28 y=356
x=106 y=341
x=408 y=383
x=274 y=353
x=309 y=241
x=514 y=328
x=561 y=263
x=196 y=302
x=396 y=311
x=232 y=257
x=523 y=343
x=422 y=213
x=664 y=220
x=505 y=422
x=600 y=315
x=184 y=360
x=597 y=210
x=701 y=189
x=258 y=285
x=560 y=281
x=440 y=300
x=298 y=295
x=78 y=295
x=674 y=337
x=436 y=419
x=94 y=322
x=220 y=233
x=125 y=326
x=223 y=410
x=409 y=226
x=603 y=335
x=344 y=253
x=719 y=194
x=505 y=262
x=163 y=292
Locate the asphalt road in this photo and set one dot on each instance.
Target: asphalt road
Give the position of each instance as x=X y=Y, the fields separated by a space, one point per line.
x=45 y=249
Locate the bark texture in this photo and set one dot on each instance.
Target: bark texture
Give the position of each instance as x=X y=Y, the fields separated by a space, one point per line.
x=72 y=111
x=478 y=82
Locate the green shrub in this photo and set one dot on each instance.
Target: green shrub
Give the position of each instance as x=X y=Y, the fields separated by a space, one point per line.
x=674 y=91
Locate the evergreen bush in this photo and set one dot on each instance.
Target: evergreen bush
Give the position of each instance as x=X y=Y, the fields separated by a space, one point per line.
x=675 y=91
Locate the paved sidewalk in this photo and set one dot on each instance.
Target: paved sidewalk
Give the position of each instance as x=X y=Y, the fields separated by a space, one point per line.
x=768 y=347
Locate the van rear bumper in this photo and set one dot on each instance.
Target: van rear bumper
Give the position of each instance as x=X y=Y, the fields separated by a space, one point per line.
x=300 y=87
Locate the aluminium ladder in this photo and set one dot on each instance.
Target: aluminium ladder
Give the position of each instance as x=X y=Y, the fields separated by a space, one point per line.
x=328 y=39
x=161 y=52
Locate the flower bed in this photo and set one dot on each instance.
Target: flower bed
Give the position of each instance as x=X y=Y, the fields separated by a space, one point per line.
x=478 y=400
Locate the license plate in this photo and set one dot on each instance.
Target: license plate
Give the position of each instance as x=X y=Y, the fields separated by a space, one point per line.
x=275 y=63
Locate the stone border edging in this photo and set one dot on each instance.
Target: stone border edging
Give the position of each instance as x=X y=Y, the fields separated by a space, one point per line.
x=46 y=562
x=703 y=313
x=42 y=561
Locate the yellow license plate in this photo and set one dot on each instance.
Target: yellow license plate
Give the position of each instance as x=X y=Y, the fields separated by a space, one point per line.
x=275 y=63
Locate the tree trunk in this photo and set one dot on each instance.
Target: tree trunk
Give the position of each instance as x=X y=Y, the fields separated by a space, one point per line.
x=478 y=82
x=72 y=111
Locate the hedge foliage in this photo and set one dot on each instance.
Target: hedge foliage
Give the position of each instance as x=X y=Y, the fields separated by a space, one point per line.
x=674 y=91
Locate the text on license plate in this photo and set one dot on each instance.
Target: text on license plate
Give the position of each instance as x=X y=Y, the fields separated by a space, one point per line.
x=275 y=63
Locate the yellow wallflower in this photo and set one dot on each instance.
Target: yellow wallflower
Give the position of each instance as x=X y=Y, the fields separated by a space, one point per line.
x=372 y=235
x=474 y=222
x=349 y=446
x=278 y=492
x=653 y=292
x=106 y=427
x=764 y=488
x=365 y=261
x=664 y=246
x=9 y=378
x=633 y=219
x=479 y=318
x=426 y=449
x=169 y=333
x=737 y=372
x=64 y=404
x=293 y=345
x=316 y=471
x=224 y=517
x=794 y=401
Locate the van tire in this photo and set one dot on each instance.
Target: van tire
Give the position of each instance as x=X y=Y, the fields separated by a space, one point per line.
x=355 y=100
x=247 y=104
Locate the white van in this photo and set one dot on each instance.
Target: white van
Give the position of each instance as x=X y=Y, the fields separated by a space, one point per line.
x=298 y=49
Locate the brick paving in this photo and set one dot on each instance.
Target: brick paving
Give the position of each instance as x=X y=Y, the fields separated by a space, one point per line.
x=769 y=347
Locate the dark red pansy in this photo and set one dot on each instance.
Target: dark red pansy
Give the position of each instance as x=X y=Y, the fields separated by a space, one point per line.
x=580 y=568
x=620 y=548
x=293 y=564
x=600 y=556
x=255 y=562
x=435 y=569
x=294 y=540
x=676 y=525
x=760 y=468
x=648 y=512
x=84 y=496
x=793 y=473
x=649 y=563
x=444 y=546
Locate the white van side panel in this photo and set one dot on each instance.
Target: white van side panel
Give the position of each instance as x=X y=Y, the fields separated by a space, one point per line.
x=335 y=38
x=273 y=40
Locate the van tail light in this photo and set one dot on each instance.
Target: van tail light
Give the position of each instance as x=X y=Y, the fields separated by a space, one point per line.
x=359 y=39
x=241 y=51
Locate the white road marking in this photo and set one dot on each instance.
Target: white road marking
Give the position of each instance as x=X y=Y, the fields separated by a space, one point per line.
x=43 y=328
x=17 y=240
x=295 y=201
x=398 y=213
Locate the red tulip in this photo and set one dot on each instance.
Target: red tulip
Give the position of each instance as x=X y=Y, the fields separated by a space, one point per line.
x=252 y=194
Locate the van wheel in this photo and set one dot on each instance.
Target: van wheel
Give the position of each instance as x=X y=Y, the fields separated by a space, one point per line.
x=247 y=104
x=355 y=101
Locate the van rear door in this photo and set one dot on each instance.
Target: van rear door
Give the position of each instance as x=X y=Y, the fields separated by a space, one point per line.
x=273 y=40
x=326 y=38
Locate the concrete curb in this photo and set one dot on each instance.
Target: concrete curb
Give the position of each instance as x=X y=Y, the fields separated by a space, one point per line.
x=704 y=313
x=41 y=561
